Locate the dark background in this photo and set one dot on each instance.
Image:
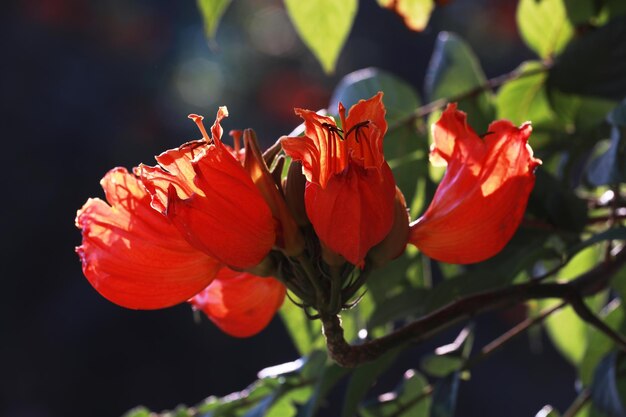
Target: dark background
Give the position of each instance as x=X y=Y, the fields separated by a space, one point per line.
x=89 y=85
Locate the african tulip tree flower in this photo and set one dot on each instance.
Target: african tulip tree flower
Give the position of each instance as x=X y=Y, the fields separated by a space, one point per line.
x=350 y=189
x=133 y=255
x=482 y=197
x=239 y=303
x=171 y=232
x=208 y=195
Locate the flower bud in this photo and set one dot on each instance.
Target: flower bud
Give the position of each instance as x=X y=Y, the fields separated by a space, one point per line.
x=294 y=193
x=289 y=237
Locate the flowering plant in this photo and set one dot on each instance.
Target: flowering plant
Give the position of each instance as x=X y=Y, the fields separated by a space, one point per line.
x=379 y=222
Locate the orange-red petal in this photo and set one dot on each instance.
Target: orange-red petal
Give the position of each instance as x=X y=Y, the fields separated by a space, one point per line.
x=239 y=303
x=132 y=254
x=321 y=150
x=482 y=198
x=229 y=220
x=208 y=195
x=174 y=168
x=367 y=148
x=354 y=212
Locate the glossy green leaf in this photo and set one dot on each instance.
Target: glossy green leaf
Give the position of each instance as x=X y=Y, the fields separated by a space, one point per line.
x=525 y=98
x=608 y=390
x=416 y=13
x=409 y=399
x=544 y=26
x=599 y=345
x=323 y=26
x=362 y=380
x=605 y=47
x=212 y=11
x=454 y=70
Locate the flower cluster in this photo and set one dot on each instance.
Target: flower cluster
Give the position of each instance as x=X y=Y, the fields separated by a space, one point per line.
x=221 y=228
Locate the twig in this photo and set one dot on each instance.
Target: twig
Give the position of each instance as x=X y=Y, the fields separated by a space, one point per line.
x=488 y=85
x=500 y=341
x=587 y=284
x=578 y=403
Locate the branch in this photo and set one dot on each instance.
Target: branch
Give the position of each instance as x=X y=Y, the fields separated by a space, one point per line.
x=464 y=308
x=488 y=85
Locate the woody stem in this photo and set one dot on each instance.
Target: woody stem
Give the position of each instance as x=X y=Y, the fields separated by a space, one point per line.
x=464 y=308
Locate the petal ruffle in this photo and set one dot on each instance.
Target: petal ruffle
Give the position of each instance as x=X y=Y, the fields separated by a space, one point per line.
x=482 y=198
x=365 y=143
x=321 y=150
x=354 y=212
x=174 y=168
x=239 y=303
x=132 y=254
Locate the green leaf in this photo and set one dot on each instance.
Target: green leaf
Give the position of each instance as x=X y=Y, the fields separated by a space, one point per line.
x=212 y=11
x=598 y=345
x=409 y=399
x=328 y=377
x=445 y=395
x=362 y=380
x=416 y=13
x=616 y=233
x=607 y=167
x=555 y=203
x=454 y=70
x=579 y=112
x=441 y=365
x=400 y=98
x=607 y=394
x=323 y=25
x=617 y=116
x=406 y=303
x=521 y=252
x=137 y=412
x=605 y=50
x=580 y=11
x=306 y=334
x=544 y=26
x=525 y=98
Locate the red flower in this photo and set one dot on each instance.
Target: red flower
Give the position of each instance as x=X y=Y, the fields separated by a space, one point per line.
x=212 y=200
x=350 y=190
x=132 y=254
x=481 y=200
x=165 y=236
x=239 y=303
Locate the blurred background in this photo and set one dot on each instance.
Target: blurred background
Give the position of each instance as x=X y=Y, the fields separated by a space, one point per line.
x=89 y=85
